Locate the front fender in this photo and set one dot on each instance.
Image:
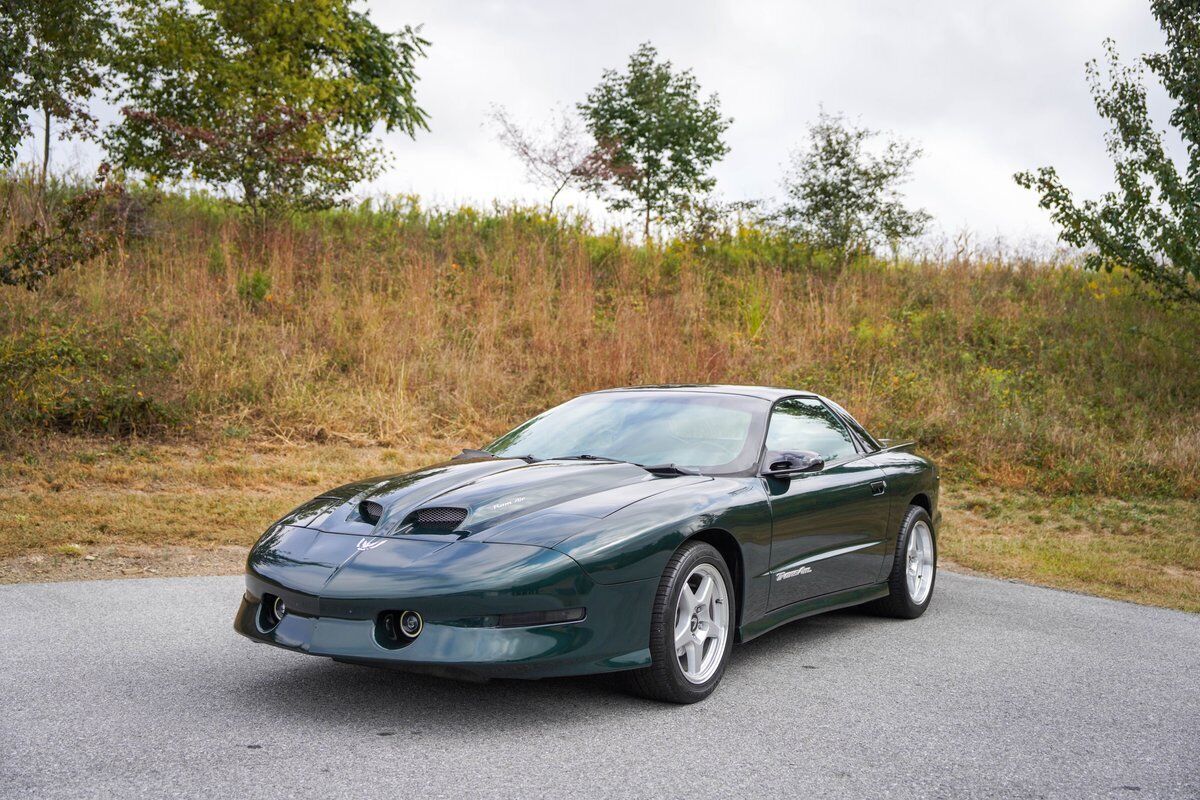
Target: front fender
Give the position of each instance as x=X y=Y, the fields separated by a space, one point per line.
x=636 y=542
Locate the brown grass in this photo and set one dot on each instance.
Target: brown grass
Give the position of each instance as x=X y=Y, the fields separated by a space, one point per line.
x=401 y=329
x=1147 y=551
x=242 y=366
x=97 y=508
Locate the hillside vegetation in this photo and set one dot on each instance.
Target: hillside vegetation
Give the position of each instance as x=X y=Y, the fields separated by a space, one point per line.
x=219 y=369
x=401 y=327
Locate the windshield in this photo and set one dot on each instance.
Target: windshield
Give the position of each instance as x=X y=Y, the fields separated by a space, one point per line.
x=712 y=433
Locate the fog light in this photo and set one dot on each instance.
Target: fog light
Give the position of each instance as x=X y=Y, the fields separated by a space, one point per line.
x=410 y=624
x=270 y=611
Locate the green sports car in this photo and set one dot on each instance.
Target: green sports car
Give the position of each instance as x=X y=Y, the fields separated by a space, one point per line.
x=640 y=531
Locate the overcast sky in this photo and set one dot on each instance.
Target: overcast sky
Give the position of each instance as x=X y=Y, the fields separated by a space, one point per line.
x=987 y=88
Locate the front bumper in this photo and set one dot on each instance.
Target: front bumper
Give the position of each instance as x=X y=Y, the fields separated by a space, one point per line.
x=337 y=587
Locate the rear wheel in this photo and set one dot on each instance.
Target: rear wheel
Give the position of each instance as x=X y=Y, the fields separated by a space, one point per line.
x=914 y=569
x=691 y=627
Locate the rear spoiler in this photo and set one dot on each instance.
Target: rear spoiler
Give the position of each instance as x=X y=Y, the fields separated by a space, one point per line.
x=900 y=447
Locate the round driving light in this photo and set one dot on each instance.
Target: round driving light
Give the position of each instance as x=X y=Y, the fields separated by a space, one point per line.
x=410 y=624
x=279 y=608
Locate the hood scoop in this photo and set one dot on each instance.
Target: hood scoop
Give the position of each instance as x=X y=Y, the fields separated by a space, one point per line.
x=445 y=518
x=434 y=518
x=370 y=511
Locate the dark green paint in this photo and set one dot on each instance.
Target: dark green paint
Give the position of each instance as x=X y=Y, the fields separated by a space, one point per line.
x=568 y=534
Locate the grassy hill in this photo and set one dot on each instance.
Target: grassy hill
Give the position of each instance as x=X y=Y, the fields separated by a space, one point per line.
x=391 y=336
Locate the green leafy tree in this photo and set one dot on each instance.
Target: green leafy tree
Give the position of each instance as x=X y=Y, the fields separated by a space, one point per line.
x=1150 y=224
x=53 y=56
x=658 y=136
x=273 y=100
x=843 y=197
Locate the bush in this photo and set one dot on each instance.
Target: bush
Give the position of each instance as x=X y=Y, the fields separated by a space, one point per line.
x=90 y=224
x=85 y=381
x=254 y=288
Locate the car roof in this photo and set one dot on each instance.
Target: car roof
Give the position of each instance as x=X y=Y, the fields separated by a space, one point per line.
x=771 y=393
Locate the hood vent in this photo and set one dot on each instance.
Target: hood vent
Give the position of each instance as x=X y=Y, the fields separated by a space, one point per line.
x=444 y=517
x=370 y=511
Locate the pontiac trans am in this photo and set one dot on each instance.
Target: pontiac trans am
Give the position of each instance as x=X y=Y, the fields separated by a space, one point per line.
x=641 y=530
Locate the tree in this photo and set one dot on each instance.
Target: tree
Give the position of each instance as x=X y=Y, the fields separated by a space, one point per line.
x=87 y=225
x=53 y=57
x=659 y=137
x=845 y=198
x=556 y=156
x=1150 y=225
x=273 y=100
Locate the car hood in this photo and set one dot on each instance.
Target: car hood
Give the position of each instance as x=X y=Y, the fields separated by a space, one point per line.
x=496 y=499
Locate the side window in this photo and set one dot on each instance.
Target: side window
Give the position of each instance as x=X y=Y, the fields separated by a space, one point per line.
x=803 y=423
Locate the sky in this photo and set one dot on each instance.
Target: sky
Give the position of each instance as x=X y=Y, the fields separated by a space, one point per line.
x=985 y=88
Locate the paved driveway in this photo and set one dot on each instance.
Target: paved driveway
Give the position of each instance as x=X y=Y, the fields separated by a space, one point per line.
x=140 y=688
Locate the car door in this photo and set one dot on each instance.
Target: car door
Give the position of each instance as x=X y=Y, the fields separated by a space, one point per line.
x=829 y=526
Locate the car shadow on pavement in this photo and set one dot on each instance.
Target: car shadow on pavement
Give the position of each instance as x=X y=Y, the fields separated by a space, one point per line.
x=393 y=702
x=792 y=639
x=331 y=694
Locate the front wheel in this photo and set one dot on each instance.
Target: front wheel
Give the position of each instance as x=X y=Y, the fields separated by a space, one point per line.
x=914 y=569
x=691 y=627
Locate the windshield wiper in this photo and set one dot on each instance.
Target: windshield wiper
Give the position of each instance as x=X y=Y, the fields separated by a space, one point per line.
x=470 y=452
x=590 y=457
x=654 y=469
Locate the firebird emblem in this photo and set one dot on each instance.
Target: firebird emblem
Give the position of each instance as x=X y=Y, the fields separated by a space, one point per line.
x=368 y=544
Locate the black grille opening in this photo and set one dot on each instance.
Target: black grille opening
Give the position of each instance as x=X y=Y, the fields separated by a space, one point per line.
x=444 y=517
x=370 y=511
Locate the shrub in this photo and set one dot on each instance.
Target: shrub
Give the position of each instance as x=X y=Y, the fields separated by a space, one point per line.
x=254 y=287
x=82 y=380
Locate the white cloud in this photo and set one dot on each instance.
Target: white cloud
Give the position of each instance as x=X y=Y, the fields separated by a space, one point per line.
x=987 y=88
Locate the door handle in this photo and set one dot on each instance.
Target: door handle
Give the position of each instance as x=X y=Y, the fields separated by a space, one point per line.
x=878 y=488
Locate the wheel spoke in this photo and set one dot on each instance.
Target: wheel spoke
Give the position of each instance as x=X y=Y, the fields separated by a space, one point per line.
x=683 y=635
x=704 y=592
x=693 y=657
x=687 y=600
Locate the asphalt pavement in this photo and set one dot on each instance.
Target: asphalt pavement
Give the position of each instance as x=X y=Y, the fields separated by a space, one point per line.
x=140 y=688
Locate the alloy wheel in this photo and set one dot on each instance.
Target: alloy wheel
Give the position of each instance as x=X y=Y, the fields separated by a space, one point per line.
x=919 y=567
x=701 y=623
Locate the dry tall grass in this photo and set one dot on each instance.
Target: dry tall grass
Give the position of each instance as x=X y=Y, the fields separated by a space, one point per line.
x=398 y=327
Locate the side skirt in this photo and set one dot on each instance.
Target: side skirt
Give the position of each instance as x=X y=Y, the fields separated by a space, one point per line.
x=811 y=607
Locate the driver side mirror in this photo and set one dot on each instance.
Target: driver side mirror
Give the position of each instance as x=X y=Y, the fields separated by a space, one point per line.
x=787 y=464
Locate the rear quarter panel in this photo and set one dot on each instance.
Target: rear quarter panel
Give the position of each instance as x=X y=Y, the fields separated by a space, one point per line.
x=909 y=476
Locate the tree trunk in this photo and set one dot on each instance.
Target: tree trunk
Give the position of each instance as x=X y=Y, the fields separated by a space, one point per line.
x=43 y=214
x=250 y=195
x=553 y=197
x=46 y=149
x=646 y=228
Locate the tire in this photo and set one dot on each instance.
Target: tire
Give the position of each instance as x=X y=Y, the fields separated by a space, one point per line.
x=901 y=602
x=667 y=678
